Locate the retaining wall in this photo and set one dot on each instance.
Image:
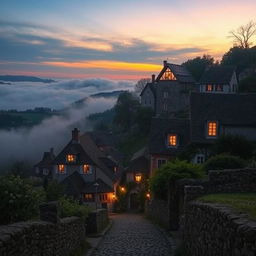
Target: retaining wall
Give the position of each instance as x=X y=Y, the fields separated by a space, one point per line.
x=96 y=221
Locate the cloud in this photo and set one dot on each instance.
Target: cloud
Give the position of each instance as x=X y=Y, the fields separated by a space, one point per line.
x=26 y=95
x=29 y=144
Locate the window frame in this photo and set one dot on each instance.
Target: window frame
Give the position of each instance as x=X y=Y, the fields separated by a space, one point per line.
x=176 y=140
x=70 y=161
x=82 y=170
x=164 y=161
x=59 y=171
x=207 y=88
x=208 y=135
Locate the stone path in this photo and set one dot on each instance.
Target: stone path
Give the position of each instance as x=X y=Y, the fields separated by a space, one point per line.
x=133 y=235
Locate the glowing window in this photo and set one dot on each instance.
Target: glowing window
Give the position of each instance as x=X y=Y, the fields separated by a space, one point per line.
x=209 y=88
x=172 y=140
x=168 y=75
x=71 y=158
x=219 y=88
x=138 y=177
x=61 y=168
x=212 y=129
x=86 y=169
x=88 y=197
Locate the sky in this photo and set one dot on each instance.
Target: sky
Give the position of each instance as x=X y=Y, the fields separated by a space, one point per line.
x=113 y=39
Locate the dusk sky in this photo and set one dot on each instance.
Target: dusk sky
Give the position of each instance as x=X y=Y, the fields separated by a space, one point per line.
x=113 y=39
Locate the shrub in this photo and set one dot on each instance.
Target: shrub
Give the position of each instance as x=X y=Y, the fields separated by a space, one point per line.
x=69 y=207
x=54 y=191
x=171 y=172
x=234 y=145
x=19 y=200
x=221 y=162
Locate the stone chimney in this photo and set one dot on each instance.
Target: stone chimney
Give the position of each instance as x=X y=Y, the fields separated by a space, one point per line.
x=153 y=78
x=75 y=135
x=165 y=63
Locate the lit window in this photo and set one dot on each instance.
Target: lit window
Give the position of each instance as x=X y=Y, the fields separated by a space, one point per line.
x=88 y=197
x=138 y=177
x=212 y=129
x=209 y=88
x=172 y=140
x=61 y=168
x=71 y=158
x=168 y=75
x=86 y=169
x=160 y=162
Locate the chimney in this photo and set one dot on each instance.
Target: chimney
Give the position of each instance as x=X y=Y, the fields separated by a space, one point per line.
x=165 y=63
x=51 y=151
x=153 y=78
x=75 y=135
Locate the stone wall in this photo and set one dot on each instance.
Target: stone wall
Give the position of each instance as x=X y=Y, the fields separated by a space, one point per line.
x=97 y=221
x=158 y=211
x=212 y=229
x=42 y=238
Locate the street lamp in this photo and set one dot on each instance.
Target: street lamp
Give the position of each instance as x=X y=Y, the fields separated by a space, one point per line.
x=96 y=194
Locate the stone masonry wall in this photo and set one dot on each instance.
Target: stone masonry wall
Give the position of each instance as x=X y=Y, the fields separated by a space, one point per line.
x=97 y=221
x=212 y=230
x=42 y=238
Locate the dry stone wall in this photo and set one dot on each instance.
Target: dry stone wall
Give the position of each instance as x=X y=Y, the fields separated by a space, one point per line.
x=212 y=230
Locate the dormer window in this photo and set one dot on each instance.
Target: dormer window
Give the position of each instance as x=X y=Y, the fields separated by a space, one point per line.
x=172 y=140
x=209 y=88
x=168 y=75
x=86 y=169
x=71 y=158
x=212 y=129
x=61 y=168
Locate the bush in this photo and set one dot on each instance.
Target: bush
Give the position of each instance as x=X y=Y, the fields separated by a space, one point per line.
x=234 y=145
x=221 y=162
x=54 y=191
x=19 y=200
x=69 y=207
x=171 y=172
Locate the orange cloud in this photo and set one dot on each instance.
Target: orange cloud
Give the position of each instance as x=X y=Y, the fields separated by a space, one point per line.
x=108 y=65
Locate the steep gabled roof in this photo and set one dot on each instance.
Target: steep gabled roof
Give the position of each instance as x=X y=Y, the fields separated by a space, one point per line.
x=47 y=160
x=227 y=109
x=217 y=75
x=101 y=188
x=152 y=87
x=161 y=127
x=180 y=72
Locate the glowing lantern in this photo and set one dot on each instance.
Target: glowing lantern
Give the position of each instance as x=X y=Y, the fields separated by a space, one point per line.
x=138 y=177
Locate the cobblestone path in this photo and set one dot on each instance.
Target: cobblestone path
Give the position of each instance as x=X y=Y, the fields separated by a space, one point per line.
x=133 y=235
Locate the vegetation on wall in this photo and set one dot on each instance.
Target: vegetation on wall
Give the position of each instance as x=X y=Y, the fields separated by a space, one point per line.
x=170 y=172
x=223 y=161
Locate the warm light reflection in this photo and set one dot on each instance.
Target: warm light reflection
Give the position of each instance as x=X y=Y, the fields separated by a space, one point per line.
x=212 y=129
x=122 y=189
x=138 y=177
x=71 y=158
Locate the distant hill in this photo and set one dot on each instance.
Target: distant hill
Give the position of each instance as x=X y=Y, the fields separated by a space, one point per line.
x=25 y=79
x=4 y=83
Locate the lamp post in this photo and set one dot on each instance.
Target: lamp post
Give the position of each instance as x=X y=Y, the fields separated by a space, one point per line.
x=96 y=194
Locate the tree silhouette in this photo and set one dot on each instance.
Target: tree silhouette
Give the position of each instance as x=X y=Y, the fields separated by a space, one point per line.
x=242 y=35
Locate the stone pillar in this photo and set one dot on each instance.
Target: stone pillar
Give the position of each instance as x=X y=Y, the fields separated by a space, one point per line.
x=49 y=212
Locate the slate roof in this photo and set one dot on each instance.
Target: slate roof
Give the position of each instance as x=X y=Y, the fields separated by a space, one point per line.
x=47 y=159
x=180 y=72
x=152 y=87
x=161 y=127
x=102 y=188
x=73 y=184
x=227 y=109
x=217 y=75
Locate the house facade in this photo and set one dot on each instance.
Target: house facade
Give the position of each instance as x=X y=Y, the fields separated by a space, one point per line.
x=168 y=94
x=219 y=79
x=86 y=172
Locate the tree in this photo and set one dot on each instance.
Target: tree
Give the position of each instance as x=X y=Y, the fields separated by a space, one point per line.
x=242 y=35
x=247 y=85
x=198 y=65
x=140 y=85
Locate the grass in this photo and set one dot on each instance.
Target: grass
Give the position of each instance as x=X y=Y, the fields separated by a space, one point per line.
x=242 y=202
x=84 y=247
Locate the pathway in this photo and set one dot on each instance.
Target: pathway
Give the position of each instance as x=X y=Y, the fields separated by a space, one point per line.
x=133 y=235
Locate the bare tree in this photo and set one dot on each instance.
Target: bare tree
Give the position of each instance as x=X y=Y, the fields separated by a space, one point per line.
x=243 y=34
x=139 y=86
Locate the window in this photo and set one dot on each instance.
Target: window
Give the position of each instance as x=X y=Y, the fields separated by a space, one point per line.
x=45 y=171
x=61 y=168
x=172 y=140
x=168 y=75
x=138 y=177
x=165 y=108
x=115 y=169
x=160 y=162
x=199 y=159
x=212 y=129
x=166 y=95
x=209 y=88
x=86 y=169
x=88 y=197
x=219 y=88
x=71 y=158
x=103 y=197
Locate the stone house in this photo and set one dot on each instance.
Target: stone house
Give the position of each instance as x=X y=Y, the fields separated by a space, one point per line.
x=211 y=115
x=219 y=79
x=168 y=94
x=86 y=172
